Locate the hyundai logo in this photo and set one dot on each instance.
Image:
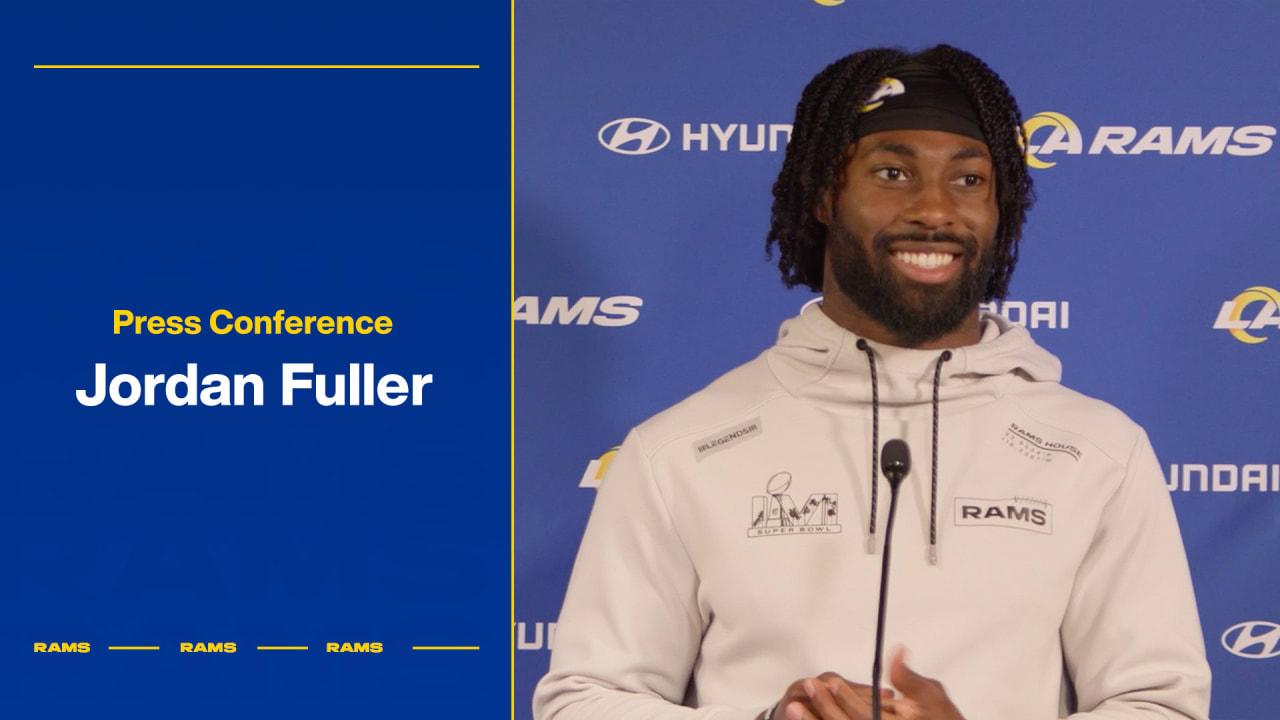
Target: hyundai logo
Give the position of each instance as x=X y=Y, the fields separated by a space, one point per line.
x=1256 y=640
x=634 y=136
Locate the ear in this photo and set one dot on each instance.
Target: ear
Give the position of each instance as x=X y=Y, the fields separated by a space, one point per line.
x=822 y=211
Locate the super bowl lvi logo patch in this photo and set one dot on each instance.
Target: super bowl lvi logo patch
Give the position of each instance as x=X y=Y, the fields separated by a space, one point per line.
x=777 y=512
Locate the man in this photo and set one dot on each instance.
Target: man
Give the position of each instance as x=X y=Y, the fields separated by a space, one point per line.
x=731 y=564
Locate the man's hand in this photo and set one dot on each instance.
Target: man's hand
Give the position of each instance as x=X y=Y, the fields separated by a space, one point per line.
x=922 y=698
x=831 y=697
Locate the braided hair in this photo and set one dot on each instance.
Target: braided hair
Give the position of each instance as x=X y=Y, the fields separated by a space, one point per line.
x=825 y=124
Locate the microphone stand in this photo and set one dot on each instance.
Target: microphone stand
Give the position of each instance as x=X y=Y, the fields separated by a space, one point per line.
x=895 y=463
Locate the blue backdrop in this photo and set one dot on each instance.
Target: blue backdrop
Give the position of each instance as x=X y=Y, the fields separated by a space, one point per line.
x=648 y=136
x=322 y=192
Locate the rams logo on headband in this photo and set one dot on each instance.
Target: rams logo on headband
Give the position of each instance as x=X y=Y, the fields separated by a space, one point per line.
x=889 y=87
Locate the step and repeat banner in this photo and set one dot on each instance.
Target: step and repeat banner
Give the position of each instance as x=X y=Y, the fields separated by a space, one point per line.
x=648 y=136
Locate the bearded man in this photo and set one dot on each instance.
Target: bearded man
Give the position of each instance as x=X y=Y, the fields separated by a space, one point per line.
x=731 y=563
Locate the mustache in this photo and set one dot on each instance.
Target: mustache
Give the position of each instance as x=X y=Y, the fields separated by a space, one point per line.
x=882 y=241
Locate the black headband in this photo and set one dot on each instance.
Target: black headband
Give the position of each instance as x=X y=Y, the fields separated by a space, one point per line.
x=917 y=96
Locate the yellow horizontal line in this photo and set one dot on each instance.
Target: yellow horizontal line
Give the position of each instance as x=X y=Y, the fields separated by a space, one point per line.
x=281 y=647
x=441 y=647
x=132 y=647
x=362 y=67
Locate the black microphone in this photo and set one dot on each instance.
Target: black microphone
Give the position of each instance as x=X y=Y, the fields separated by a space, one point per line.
x=895 y=463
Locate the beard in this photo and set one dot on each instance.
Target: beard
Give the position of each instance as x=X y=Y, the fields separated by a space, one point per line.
x=914 y=312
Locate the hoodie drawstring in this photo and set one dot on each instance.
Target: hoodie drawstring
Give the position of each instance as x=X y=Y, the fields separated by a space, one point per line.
x=933 y=492
x=875 y=451
x=875 y=442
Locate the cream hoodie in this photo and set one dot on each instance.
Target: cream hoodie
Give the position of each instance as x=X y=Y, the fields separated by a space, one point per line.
x=730 y=552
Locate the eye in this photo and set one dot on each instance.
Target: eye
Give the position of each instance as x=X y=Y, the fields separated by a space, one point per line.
x=892 y=174
x=969 y=180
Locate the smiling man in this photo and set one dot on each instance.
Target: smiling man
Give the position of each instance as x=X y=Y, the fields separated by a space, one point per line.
x=910 y=248
x=731 y=563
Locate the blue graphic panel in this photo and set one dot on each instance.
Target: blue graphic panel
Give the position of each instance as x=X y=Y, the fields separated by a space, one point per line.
x=358 y=529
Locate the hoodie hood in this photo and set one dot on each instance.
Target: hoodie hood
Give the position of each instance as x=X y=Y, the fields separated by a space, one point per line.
x=817 y=359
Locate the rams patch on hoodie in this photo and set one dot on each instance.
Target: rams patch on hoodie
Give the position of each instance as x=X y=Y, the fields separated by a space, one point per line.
x=1019 y=513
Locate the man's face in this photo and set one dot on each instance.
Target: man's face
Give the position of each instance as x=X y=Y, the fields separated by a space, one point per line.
x=910 y=231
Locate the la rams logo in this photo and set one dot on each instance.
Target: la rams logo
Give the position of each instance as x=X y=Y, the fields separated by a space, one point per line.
x=1063 y=136
x=596 y=469
x=1232 y=315
x=889 y=87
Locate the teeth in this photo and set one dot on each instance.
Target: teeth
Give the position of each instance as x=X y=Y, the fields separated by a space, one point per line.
x=928 y=261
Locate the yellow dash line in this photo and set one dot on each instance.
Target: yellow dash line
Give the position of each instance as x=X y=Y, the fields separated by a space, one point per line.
x=282 y=647
x=361 y=67
x=460 y=647
x=133 y=647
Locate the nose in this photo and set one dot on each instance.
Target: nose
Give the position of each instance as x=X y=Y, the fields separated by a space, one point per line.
x=931 y=207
